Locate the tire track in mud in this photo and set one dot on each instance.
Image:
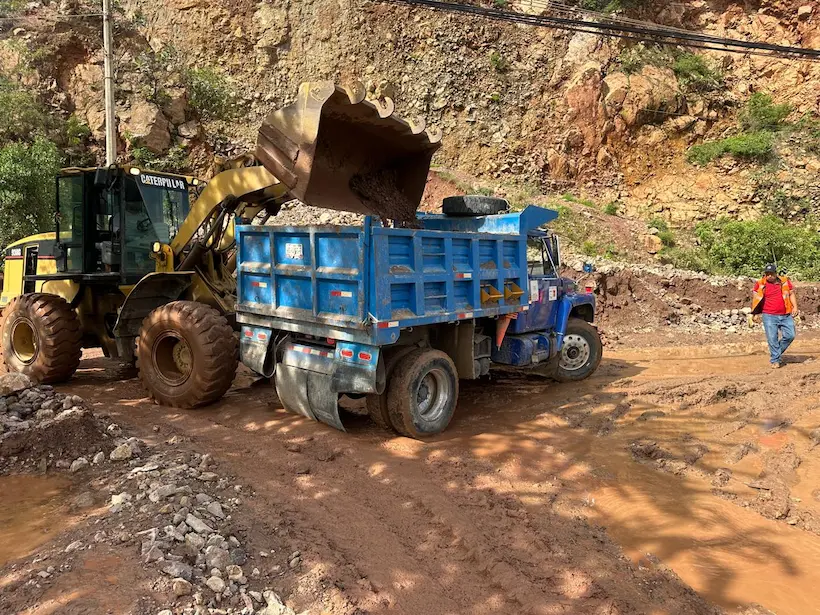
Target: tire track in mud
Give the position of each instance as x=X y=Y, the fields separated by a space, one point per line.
x=392 y=525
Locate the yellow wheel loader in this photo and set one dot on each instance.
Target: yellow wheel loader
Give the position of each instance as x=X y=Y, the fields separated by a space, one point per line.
x=142 y=263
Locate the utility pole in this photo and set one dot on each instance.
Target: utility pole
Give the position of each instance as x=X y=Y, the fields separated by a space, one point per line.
x=110 y=117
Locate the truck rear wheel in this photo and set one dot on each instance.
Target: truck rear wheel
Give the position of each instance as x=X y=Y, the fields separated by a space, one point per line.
x=186 y=354
x=422 y=394
x=41 y=337
x=377 y=410
x=580 y=353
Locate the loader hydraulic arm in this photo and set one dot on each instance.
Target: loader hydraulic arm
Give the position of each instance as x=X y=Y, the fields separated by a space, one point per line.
x=251 y=186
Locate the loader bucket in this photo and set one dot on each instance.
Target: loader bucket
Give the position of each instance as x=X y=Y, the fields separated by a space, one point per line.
x=335 y=149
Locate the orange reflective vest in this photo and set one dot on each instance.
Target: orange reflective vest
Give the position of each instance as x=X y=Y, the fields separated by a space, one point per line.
x=760 y=290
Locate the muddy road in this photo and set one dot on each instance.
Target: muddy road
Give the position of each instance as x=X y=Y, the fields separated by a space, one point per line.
x=673 y=467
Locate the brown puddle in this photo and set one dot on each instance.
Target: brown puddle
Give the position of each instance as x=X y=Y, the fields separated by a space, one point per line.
x=32 y=511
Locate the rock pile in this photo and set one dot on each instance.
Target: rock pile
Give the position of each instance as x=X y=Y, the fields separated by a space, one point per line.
x=192 y=542
x=36 y=419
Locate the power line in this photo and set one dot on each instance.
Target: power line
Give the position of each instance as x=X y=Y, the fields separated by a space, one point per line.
x=616 y=27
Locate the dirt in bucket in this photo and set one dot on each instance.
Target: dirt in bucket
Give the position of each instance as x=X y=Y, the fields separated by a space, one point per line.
x=380 y=192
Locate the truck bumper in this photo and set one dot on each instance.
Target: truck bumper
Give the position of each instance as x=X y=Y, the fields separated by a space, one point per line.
x=309 y=378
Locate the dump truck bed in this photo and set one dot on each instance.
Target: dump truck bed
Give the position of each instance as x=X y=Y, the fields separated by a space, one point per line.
x=367 y=283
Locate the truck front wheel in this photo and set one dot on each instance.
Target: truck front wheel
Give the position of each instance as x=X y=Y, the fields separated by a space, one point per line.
x=422 y=394
x=186 y=354
x=580 y=353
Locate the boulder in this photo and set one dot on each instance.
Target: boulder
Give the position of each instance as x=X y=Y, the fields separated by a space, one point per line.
x=272 y=23
x=176 y=106
x=148 y=126
x=652 y=243
x=13 y=383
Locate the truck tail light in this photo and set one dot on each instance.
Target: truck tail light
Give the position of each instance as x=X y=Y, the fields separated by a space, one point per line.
x=365 y=356
x=347 y=354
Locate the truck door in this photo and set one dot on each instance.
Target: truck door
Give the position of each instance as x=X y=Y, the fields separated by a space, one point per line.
x=30 y=268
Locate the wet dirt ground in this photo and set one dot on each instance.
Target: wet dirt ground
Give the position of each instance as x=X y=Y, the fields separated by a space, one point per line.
x=675 y=466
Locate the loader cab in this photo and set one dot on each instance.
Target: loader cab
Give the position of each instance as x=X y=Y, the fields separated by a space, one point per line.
x=108 y=219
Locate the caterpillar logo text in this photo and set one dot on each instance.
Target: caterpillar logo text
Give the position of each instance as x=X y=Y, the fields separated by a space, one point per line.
x=172 y=183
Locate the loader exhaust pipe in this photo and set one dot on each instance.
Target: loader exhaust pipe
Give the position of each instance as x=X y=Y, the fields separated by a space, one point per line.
x=334 y=149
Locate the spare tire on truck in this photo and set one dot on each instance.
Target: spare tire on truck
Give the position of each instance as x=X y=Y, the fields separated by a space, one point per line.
x=41 y=337
x=186 y=354
x=473 y=205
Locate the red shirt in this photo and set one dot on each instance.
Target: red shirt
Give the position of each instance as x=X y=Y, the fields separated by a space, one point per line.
x=773 y=298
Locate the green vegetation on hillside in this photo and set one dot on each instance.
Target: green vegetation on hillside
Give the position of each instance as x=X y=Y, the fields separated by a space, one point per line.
x=762 y=123
x=210 y=93
x=34 y=144
x=695 y=73
x=27 y=172
x=735 y=247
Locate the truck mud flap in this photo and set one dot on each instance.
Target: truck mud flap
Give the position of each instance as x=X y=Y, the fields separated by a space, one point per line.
x=310 y=394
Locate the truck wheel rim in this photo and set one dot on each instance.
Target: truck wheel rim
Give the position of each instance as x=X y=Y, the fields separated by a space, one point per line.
x=574 y=353
x=172 y=358
x=24 y=341
x=433 y=394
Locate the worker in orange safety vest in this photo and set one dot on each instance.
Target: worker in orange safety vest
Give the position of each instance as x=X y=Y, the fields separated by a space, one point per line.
x=774 y=301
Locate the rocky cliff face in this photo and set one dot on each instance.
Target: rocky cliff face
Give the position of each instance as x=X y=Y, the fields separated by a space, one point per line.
x=563 y=111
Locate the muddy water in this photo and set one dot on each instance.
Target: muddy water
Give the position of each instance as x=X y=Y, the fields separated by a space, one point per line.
x=730 y=554
x=32 y=511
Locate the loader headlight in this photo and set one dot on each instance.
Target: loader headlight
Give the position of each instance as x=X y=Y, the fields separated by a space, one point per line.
x=156 y=247
x=135 y=171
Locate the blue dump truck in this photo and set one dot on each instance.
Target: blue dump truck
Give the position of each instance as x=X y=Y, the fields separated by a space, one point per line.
x=399 y=314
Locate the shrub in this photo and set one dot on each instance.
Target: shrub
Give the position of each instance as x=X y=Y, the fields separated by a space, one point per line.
x=501 y=4
x=604 y=6
x=658 y=223
x=21 y=114
x=210 y=94
x=667 y=238
x=589 y=248
x=693 y=259
x=612 y=208
x=695 y=74
x=27 y=174
x=762 y=114
x=744 y=247
x=498 y=62
x=153 y=68
x=633 y=59
x=750 y=146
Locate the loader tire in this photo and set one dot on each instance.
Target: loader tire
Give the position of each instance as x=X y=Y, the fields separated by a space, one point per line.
x=422 y=394
x=581 y=352
x=186 y=354
x=473 y=205
x=41 y=338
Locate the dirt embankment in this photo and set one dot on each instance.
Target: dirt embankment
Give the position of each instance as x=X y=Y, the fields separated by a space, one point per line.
x=641 y=297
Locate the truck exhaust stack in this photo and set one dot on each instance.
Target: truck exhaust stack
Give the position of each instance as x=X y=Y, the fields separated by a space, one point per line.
x=335 y=149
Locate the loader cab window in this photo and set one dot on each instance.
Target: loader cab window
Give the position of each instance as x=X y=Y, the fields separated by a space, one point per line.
x=70 y=198
x=153 y=206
